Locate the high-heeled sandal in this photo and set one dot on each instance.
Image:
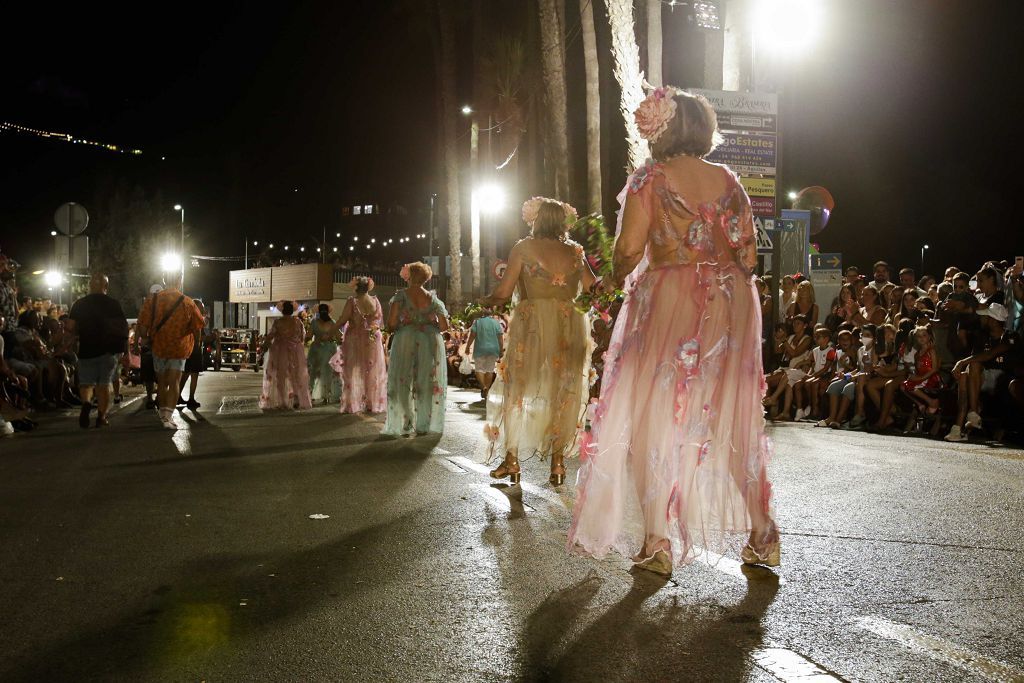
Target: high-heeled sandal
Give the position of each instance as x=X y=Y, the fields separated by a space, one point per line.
x=769 y=556
x=557 y=477
x=659 y=563
x=508 y=469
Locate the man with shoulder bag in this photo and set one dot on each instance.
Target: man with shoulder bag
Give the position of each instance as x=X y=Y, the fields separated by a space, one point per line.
x=170 y=320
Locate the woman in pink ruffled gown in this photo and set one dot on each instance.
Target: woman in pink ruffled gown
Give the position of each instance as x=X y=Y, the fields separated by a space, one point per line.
x=676 y=461
x=360 y=360
x=285 y=375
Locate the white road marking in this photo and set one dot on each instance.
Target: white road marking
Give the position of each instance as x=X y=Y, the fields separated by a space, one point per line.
x=182 y=438
x=940 y=649
x=790 y=666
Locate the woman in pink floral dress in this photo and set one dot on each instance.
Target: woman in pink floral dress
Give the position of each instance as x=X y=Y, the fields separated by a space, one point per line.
x=285 y=375
x=537 y=403
x=676 y=461
x=360 y=360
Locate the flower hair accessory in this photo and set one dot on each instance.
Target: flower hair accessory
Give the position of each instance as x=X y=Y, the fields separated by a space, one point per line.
x=404 y=273
x=654 y=113
x=354 y=282
x=531 y=207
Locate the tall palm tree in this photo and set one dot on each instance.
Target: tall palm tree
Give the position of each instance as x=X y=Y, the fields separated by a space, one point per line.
x=593 y=106
x=553 y=75
x=446 y=20
x=654 y=42
x=627 y=72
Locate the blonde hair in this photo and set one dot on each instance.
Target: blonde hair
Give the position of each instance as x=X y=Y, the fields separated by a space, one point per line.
x=550 y=222
x=801 y=286
x=692 y=131
x=419 y=273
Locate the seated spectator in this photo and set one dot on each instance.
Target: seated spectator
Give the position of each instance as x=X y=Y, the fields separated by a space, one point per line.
x=926 y=373
x=888 y=374
x=852 y=275
x=846 y=364
x=843 y=308
x=797 y=354
x=870 y=313
x=949 y=274
x=881 y=276
x=814 y=384
x=989 y=288
x=981 y=371
x=787 y=295
x=908 y=280
x=926 y=283
x=804 y=305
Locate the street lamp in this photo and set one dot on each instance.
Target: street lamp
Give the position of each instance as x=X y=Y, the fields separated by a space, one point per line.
x=788 y=26
x=52 y=278
x=923 y=248
x=181 y=247
x=171 y=262
x=491 y=198
x=467 y=110
x=793 y=194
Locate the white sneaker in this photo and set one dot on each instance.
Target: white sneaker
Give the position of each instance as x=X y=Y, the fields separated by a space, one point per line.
x=821 y=423
x=801 y=414
x=6 y=428
x=973 y=420
x=955 y=434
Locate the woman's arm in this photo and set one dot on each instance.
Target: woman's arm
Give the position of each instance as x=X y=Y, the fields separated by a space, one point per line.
x=346 y=314
x=442 y=323
x=631 y=242
x=470 y=341
x=589 y=279
x=393 y=316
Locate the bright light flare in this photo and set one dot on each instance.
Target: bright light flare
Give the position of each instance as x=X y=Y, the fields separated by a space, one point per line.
x=52 y=278
x=491 y=198
x=170 y=262
x=788 y=27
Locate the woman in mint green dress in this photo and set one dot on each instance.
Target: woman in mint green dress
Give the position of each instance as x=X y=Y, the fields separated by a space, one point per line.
x=417 y=367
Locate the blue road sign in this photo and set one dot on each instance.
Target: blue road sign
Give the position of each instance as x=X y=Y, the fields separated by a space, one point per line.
x=826 y=261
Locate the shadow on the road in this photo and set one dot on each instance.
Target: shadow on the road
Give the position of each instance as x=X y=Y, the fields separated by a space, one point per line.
x=218 y=605
x=203 y=430
x=631 y=641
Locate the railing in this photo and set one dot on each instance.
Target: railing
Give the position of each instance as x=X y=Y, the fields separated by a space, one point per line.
x=382 y=279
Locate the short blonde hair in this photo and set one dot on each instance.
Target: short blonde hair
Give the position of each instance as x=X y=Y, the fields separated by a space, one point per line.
x=805 y=285
x=419 y=273
x=692 y=131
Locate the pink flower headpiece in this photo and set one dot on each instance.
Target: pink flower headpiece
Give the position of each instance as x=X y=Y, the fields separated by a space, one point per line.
x=355 y=281
x=531 y=207
x=404 y=273
x=654 y=113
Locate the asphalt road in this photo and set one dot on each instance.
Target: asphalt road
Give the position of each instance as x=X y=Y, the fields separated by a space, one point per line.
x=137 y=555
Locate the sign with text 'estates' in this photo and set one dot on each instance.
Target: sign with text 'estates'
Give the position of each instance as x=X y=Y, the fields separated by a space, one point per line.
x=747 y=153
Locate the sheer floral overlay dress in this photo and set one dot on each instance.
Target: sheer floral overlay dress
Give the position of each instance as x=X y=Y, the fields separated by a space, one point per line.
x=323 y=379
x=417 y=369
x=677 y=455
x=360 y=360
x=538 y=401
x=285 y=376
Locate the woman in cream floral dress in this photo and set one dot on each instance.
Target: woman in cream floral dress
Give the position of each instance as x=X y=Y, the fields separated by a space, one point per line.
x=538 y=400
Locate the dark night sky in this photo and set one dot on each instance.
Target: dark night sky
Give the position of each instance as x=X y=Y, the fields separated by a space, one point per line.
x=902 y=111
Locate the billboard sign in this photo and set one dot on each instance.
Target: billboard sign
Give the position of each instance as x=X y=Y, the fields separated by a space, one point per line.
x=743 y=110
x=747 y=153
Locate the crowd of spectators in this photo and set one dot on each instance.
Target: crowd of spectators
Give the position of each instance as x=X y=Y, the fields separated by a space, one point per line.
x=919 y=355
x=39 y=357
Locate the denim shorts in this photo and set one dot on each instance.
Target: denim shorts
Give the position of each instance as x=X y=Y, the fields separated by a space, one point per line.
x=97 y=371
x=162 y=365
x=842 y=387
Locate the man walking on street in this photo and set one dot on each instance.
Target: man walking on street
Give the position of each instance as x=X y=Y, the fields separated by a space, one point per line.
x=102 y=330
x=170 y=320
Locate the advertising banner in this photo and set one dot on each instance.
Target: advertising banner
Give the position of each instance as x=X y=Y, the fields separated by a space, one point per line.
x=746 y=153
x=743 y=110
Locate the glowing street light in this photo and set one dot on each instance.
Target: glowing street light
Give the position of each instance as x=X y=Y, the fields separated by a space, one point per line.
x=923 y=248
x=467 y=110
x=788 y=26
x=271 y=245
x=793 y=194
x=53 y=233
x=171 y=262
x=491 y=198
x=52 y=278
x=181 y=245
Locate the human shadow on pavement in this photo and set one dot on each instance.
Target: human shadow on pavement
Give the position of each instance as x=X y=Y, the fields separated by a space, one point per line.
x=634 y=641
x=216 y=607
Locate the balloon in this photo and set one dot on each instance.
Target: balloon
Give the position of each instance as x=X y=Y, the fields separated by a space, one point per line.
x=819 y=201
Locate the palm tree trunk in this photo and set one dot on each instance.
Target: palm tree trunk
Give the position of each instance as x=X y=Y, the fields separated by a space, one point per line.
x=451 y=152
x=627 y=73
x=553 y=74
x=654 y=42
x=594 y=203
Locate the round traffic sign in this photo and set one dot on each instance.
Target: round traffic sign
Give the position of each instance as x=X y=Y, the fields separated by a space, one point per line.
x=71 y=219
x=499 y=269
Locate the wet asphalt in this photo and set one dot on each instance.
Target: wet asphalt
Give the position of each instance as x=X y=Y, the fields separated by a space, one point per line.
x=135 y=554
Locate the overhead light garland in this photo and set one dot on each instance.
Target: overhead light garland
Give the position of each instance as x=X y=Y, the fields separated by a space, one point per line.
x=65 y=137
